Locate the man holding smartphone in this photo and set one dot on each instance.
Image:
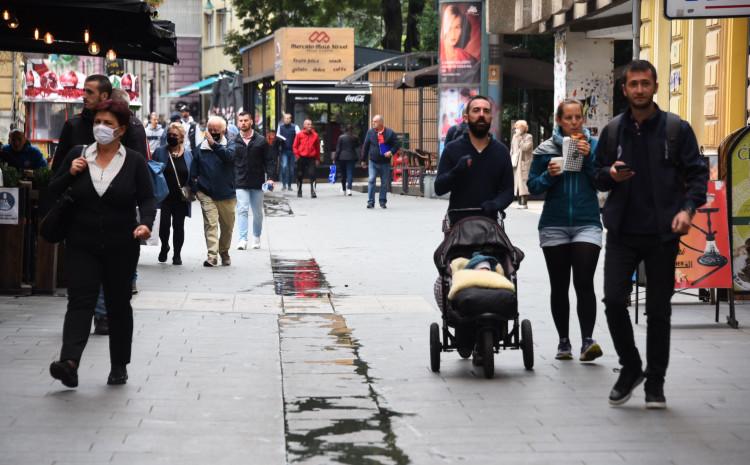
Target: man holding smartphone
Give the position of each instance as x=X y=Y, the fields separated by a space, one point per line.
x=656 y=179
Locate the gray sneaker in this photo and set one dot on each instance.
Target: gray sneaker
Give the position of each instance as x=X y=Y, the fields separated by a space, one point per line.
x=564 y=350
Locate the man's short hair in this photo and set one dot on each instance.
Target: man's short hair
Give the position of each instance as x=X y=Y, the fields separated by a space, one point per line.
x=183 y=108
x=102 y=83
x=467 y=107
x=638 y=66
x=244 y=113
x=217 y=119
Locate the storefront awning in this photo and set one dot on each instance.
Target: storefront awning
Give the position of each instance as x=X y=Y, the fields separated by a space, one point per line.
x=193 y=88
x=331 y=91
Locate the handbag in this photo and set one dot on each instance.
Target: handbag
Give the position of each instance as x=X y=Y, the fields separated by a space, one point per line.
x=185 y=193
x=57 y=222
x=161 y=190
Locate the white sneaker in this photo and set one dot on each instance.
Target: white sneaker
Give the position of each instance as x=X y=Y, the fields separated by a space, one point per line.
x=242 y=245
x=349 y=192
x=343 y=191
x=256 y=242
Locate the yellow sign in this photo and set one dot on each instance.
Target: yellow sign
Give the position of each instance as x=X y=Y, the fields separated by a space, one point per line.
x=313 y=53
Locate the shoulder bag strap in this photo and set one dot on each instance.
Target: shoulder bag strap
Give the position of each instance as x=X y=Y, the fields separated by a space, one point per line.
x=174 y=168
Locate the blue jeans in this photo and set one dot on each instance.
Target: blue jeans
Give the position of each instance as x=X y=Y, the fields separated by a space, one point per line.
x=346 y=168
x=100 y=311
x=384 y=171
x=246 y=199
x=287 y=168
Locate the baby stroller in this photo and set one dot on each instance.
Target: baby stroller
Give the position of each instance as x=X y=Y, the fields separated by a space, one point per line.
x=479 y=316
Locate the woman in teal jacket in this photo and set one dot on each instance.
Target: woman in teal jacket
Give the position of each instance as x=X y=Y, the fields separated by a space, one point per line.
x=570 y=231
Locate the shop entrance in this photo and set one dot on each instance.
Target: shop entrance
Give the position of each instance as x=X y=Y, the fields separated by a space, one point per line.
x=330 y=121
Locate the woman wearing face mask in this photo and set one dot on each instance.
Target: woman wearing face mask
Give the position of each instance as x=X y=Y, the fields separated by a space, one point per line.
x=106 y=182
x=177 y=160
x=570 y=231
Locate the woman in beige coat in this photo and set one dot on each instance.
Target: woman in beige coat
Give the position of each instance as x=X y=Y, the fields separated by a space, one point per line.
x=521 y=147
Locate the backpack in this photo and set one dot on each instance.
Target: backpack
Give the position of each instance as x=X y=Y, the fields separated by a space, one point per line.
x=671 y=145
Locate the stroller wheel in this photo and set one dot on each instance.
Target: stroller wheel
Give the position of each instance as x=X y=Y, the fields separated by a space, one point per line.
x=435 y=347
x=465 y=352
x=487 y=349
x=527 y=344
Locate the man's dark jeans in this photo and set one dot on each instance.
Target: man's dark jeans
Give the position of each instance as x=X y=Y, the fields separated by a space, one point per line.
x=624 y=253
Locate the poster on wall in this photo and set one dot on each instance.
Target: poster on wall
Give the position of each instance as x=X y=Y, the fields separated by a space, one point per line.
x=703 y=257
x=8 y=205
x=452 y=103
x=460 y=42
x=739 y=159
x=60 y=79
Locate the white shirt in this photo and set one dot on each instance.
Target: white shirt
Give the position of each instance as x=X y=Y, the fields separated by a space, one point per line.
x=102 y=178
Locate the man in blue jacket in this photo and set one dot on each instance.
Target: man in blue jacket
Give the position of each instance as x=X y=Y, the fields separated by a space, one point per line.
x=213 y=168
x=380 y=144
x=20 y=154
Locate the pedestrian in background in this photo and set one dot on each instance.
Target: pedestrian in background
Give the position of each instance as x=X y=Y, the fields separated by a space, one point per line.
x=254 y=164
x=193 y=133
x=20 y=154
x=570 y=232
x=307 y=152
x=214 y=181
x=648 y=160
x=178 y=161
x=154 y=133
x=106 y=181
x=346 y=158
x=521 y=147
x=135 y=137
x=287 y=133
x=377 y=150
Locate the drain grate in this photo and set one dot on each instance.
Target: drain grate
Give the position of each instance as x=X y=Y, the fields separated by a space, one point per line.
x=298 y=278
x=276 y=206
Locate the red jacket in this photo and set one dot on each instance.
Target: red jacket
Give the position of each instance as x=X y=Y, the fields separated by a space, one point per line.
x=306 y=145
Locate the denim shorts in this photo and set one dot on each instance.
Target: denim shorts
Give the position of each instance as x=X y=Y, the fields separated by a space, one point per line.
x=559 y=235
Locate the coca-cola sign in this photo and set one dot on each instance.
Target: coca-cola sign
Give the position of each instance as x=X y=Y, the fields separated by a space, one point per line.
x=356 y=98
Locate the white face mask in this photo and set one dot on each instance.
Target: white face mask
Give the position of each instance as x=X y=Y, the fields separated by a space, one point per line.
x=104 y=134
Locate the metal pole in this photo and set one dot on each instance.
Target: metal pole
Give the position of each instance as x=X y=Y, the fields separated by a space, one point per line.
x=14 y=109
x=636 y=29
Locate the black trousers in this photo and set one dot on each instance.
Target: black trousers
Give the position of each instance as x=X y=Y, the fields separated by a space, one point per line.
x=623 y=254
x=87 y=270
x=305 y=168
x=173 y=213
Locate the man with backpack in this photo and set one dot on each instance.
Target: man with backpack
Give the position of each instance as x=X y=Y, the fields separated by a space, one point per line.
x=648 y=160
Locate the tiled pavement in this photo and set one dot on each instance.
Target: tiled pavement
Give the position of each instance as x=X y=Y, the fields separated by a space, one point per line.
x=226 y=372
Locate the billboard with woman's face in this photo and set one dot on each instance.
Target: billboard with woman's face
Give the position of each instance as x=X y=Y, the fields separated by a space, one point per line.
x=460 y=42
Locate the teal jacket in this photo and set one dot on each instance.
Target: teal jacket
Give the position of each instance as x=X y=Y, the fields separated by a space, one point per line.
x=571 y=197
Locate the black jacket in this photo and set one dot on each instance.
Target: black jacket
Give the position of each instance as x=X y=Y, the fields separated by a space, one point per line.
x=371 y=147
x=79 y=130
x=346 y=148
x=679 y=180
x=252 y=162
x=107 y=221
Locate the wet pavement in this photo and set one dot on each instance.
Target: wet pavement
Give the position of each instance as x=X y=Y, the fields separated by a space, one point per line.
x=314 y=350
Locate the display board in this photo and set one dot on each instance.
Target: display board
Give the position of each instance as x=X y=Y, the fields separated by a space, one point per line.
x=314 y=54
x=8 y=205
x=703 y=258
x=687 y=9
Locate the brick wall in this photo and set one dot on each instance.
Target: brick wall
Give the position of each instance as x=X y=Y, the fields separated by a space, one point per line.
x=188 y=70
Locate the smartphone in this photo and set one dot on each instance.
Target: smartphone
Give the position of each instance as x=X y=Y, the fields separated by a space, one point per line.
x=619 y=168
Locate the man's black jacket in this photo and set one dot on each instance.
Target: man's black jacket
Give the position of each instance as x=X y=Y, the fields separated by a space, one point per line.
x=679 y=180
x=79 y=130
x=252 y=162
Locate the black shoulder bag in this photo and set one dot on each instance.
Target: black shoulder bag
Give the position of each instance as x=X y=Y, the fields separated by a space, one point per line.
x=57 y=222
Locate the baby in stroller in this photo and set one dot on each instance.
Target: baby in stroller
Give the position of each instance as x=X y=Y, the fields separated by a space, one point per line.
x=477 y=295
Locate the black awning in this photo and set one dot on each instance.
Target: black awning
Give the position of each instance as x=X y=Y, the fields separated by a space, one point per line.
x=125 y=26
x=329 y=94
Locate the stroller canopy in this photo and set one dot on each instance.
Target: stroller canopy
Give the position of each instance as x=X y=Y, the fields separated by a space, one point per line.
x=477 y=234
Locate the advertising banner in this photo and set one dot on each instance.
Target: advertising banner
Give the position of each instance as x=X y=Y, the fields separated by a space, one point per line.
x=8 y=205
x=703 y=257
x=314 y=54
x=686 y=9
x=452 y=103
x=460 y=43
x=739 y=162
x=60 y=79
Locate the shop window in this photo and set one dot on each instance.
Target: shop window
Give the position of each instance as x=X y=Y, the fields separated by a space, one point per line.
x=47 y=120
